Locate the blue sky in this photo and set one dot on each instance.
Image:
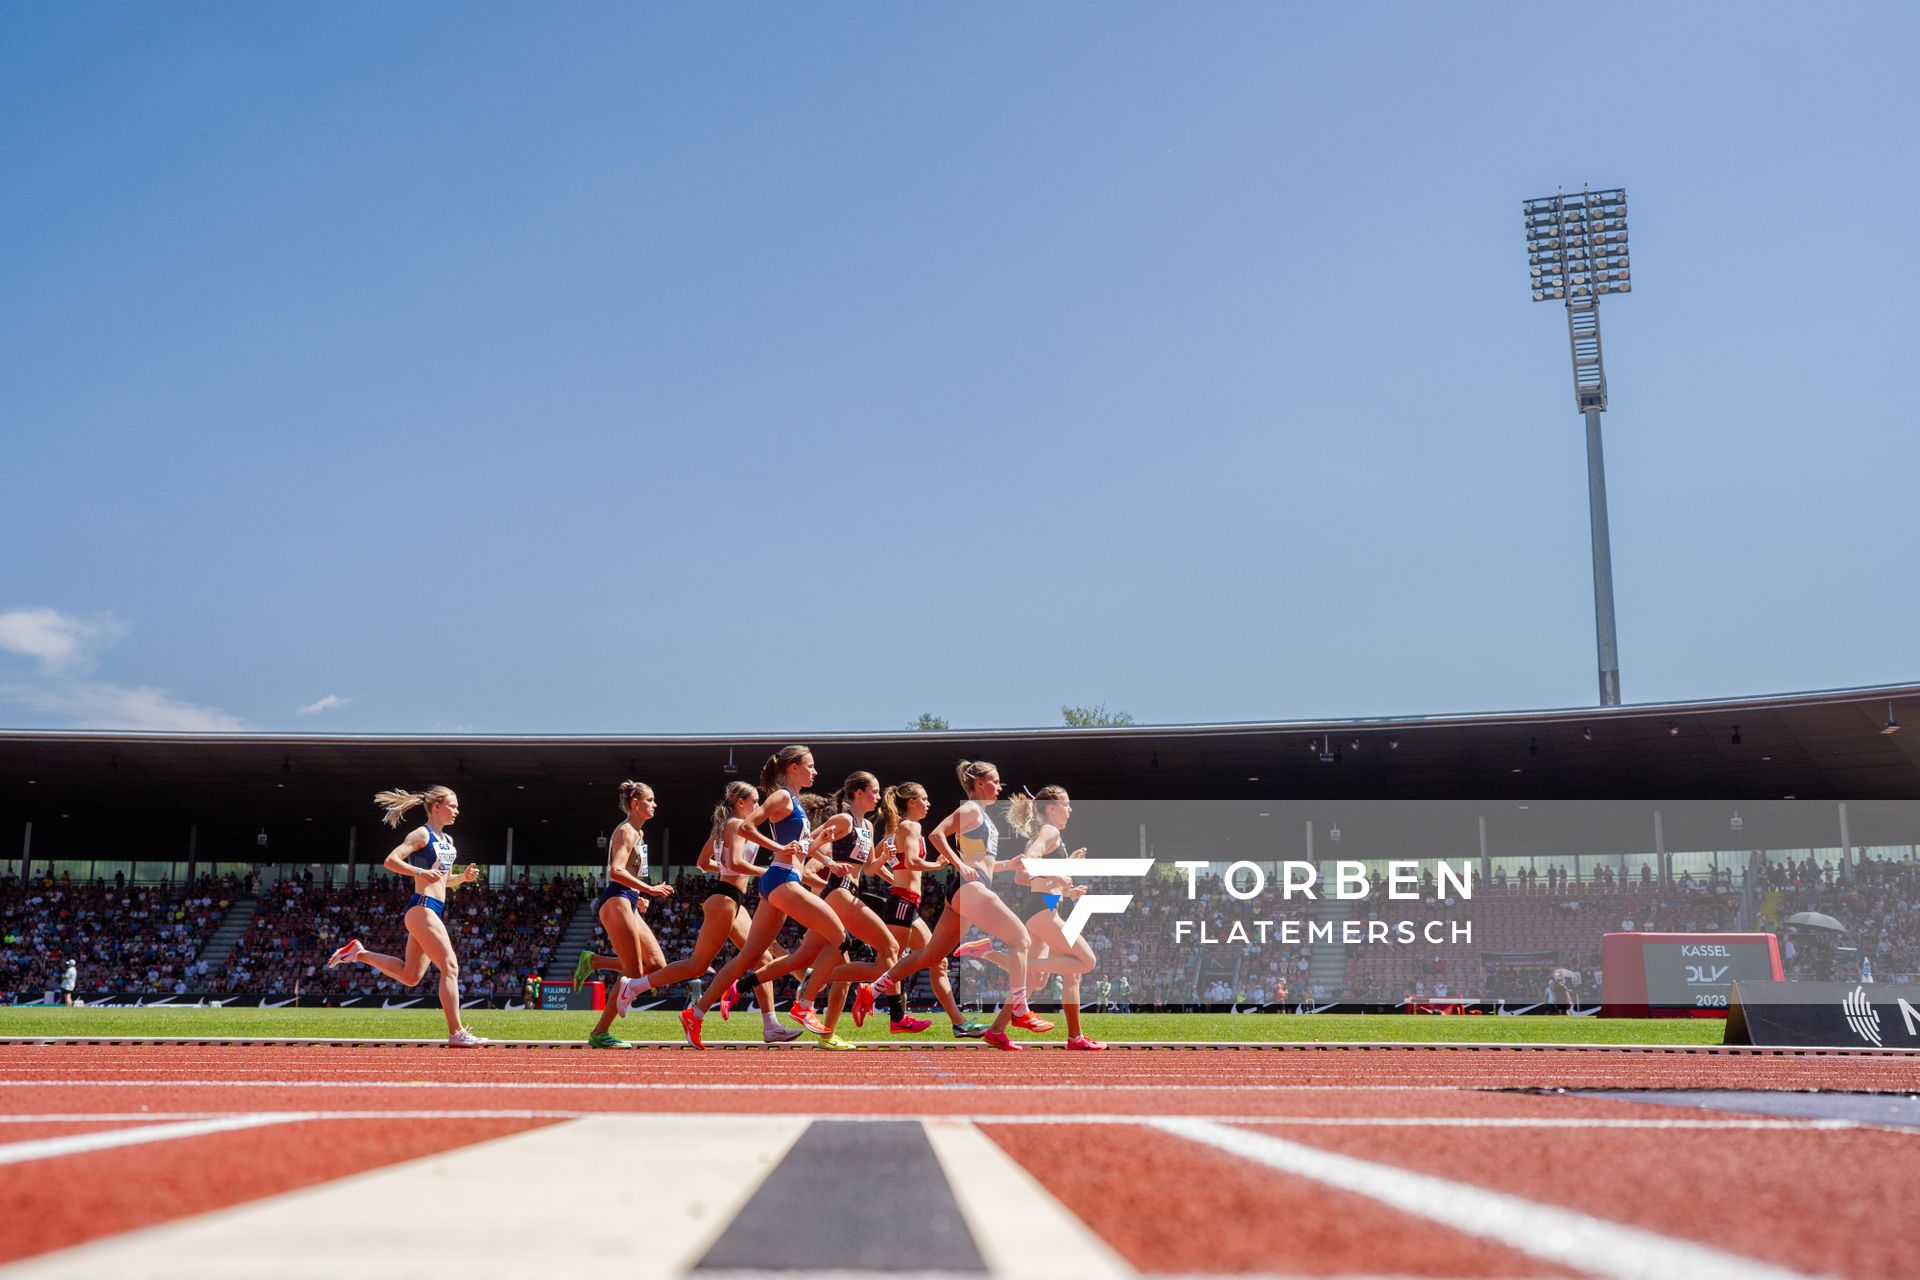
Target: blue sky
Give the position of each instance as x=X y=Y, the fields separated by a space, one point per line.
x=679 y=369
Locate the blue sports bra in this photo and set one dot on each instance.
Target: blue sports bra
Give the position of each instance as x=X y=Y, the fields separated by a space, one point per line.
x=437 y=853
x=795 y=825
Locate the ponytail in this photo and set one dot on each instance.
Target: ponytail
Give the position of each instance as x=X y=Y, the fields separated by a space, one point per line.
x=972 y=771
x=1027 y=813
x=776 y=767
x=736 y=791
x=398 y=803
x=893 y=803
x=858 y=781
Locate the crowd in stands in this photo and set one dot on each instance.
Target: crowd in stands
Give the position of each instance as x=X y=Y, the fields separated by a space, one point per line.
x=1879 y=905
x=147 y=939
x=120 y=937
x=501 y=933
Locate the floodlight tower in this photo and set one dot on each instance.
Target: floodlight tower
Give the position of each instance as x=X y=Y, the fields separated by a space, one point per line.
x=1577 y=252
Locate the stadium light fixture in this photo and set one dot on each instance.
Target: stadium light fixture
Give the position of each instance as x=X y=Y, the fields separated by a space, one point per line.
x=1892 y=726
x=1576 y=255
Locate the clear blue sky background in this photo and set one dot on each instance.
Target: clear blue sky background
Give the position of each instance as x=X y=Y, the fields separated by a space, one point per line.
x=687 y=368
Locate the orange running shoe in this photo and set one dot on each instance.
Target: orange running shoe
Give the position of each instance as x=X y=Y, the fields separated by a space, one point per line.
x=808 y=1019
x=349 y=952
x=1028 y=1020
x=862 y=1003
x=998 y=1039
x=690 y=1023
x=974 y=950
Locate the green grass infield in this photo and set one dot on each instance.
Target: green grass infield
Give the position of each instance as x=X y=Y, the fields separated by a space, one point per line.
x=1202 y=1028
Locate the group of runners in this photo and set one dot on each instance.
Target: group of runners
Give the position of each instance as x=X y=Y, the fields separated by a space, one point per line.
x=845 y=868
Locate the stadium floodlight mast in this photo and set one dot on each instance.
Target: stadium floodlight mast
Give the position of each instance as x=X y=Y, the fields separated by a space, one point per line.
x=1577 y=254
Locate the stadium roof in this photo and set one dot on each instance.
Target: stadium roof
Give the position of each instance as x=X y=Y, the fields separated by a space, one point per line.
x=99 y=790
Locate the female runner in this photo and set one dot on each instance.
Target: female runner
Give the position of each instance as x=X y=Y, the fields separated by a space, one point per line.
x=723 y=915
x=624 y=887
x=782 y=894
x=1041 y=818
x=849 y=832
x=427 y=856
x=904 y=808
x=970 y=901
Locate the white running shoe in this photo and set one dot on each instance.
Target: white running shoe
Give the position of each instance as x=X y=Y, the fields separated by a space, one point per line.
x=465 y=1039
x=623 y=998
x=345 y=954
x=777 y=1034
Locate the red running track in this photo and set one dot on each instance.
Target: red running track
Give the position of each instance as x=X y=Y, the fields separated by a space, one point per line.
x=1817 y=1199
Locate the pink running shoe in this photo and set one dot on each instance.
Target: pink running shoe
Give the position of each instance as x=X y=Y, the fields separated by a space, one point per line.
x=974 y=950
x=727 y=998
x=998 y=1039
x=690 y=1024
x=345 y=954
x=1082 y=1042
x=908 y=1026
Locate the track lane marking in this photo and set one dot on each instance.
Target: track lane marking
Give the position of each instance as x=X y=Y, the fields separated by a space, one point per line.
x=686 y=1179
x=74 y=1144
x=1020 y=1228
x=1792 y=1124
x=1549 y=1232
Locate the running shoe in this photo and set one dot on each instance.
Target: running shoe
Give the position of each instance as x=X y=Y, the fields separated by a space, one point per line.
x=999 y=1040
x=465 y=1039
x=808 y=1019
x=974 y=950
x=690 y=1023
x=625 y=992
x=583 y=969
x=1082 y=1042
x=969 y=1030
x=349 y=952
x=606 y=1040
x=833 y=1041
x=862 y=1003
x=774 y=1033
x=908 y=1026
x=727 y=998
x=1028 y=1020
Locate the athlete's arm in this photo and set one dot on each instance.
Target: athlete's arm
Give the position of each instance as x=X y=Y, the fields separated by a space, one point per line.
x=949 y=825
x=735 y=833
x=772 y=809
x=617 y=852
x=835 y=828
x=397 y=860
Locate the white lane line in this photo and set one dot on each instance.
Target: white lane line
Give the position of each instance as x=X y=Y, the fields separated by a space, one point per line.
x=1019 y=1228
x=74 y=1144
x=1555 y=1234
x=646 y=1190
x=840 y=1081
x=1793 y=1123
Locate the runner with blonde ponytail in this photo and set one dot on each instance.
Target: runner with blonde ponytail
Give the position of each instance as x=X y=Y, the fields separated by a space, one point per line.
x=1042 y=817
x=970 y=901
x=427 y=856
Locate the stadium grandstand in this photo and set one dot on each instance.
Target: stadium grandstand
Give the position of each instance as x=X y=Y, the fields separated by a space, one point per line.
x=229 y=865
